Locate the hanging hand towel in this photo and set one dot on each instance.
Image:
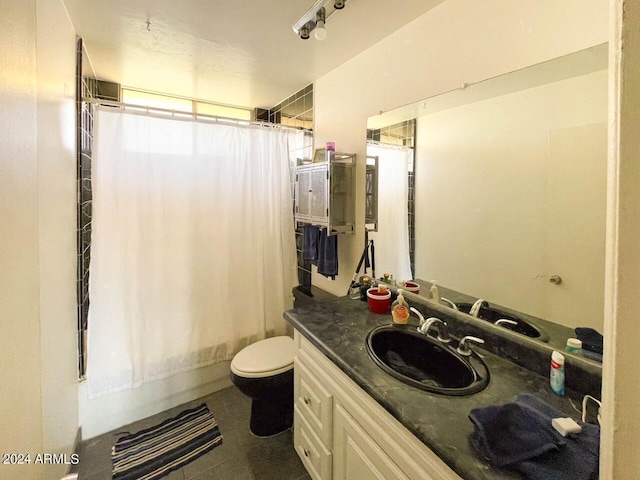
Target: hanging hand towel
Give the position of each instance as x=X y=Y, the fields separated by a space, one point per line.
x=310 y=247
x=328 y=255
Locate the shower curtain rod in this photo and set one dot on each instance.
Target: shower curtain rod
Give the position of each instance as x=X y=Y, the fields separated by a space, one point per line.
x=179 y=115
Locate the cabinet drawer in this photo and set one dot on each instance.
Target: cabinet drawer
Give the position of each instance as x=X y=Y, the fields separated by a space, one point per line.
x=316 y=458
x=314 y=401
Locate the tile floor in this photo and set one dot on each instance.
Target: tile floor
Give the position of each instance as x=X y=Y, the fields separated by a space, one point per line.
x=241 y=456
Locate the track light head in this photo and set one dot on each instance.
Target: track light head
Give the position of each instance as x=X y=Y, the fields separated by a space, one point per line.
x=320 y=32
x=315 y=19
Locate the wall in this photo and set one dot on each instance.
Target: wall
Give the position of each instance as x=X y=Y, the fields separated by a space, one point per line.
x=55 y=78
x=621 y=382
x=38 y=399
x=513 y=188
x=20 y=372
x=103 y=414
x=456 y=42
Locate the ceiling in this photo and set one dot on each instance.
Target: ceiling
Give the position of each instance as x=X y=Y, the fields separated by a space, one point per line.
x=238 y=52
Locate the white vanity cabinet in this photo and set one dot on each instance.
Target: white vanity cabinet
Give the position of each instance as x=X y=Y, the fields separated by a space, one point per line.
x=357 y=455
x=341 y=433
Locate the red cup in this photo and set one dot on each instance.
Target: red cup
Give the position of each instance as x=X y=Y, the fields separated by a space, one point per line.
x=412 y=287
x=378 y=302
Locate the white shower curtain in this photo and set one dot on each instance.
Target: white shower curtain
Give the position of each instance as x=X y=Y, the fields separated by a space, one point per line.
x=193 y=249
x=391 y=241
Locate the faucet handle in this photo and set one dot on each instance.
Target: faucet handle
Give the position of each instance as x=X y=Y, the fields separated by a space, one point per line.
x=477 y=306
x=463 y=348
x=449 y=303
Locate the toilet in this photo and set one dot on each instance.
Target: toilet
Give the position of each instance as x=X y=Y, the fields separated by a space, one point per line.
x=264 y=372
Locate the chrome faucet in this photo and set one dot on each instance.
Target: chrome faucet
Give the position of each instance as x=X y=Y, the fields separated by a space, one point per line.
x=425 y=325
x=505 y=321
x=441 y=326
x=449 y=303
x=463 y=348
x=420 y=317
x=475 y=309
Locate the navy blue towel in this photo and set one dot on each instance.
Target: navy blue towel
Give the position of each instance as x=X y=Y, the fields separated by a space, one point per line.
x=591 y=339
x=578 y=459
x=519 y=435
x=510 y=433
x=328 y=254
x=310 y=247
x=592 y=355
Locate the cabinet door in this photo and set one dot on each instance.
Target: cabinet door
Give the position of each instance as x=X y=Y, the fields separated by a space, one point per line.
x=320 y=193
x=356 y=456
x=303 y=193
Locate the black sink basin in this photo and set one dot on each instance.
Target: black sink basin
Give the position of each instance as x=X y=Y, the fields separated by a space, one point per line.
x=425 y=363
x=493 y=314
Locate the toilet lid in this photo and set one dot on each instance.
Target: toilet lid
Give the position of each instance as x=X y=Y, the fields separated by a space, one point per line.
x=265 y=358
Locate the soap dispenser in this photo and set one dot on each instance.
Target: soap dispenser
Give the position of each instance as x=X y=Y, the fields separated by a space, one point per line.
x=400 y=309
x=434 y=293
x=400 y=299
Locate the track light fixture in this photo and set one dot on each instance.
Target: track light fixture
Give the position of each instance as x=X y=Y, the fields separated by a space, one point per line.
x=315 y=18
x=320 y=32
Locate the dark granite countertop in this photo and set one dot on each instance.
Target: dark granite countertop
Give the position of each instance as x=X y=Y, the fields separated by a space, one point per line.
x=338 y=329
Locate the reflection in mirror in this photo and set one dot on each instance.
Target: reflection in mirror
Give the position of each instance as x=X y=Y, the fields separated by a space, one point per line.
x=510 y=188
x=391 y=240
x=371 y=194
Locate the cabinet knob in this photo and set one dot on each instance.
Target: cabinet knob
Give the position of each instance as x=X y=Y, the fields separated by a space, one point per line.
x=306 y=453
x=306 y=400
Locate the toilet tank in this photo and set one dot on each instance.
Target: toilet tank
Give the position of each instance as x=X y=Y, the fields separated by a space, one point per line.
x=306 y=294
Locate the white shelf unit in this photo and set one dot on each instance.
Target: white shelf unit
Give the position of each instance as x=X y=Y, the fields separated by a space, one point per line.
x=325 y=193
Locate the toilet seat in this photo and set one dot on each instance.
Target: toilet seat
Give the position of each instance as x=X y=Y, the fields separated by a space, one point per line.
x=268 y=357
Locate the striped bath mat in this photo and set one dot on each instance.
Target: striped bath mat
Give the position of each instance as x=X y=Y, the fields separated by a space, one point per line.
x=155 y=452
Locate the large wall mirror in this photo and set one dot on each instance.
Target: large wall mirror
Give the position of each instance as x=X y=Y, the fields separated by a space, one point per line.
x=510 y=188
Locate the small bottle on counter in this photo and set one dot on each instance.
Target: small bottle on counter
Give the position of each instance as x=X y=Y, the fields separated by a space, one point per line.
x=400 y=314
x=354 y=291
x=400 y=309
x=434 y=293
x=556 y=375
x=365 y=285
x=574 y=346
